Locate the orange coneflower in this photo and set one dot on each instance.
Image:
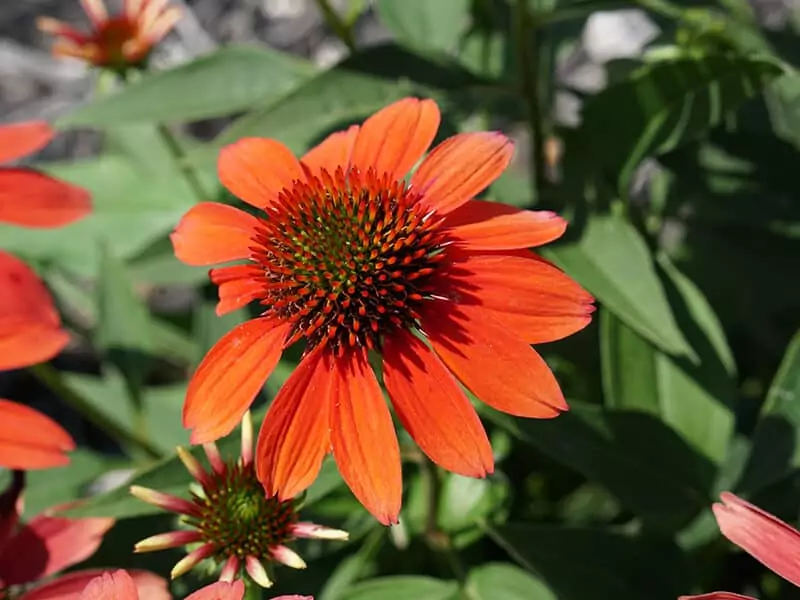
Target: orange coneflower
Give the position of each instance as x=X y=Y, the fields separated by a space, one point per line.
x=766 y=538
x=350 y=258
x=115 y=42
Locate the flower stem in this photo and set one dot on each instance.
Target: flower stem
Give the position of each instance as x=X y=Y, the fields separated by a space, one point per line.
x=252 y=591
x=175 y=149
x=51 y=378
x=344 y=31
x=528 y=64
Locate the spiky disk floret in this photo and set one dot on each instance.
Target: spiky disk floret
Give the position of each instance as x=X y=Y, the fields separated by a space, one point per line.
x=347 y=258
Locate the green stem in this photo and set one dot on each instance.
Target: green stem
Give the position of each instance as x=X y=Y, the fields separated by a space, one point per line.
x=53 y=380
x=343 y=31
x=175 y=149
x=528 y=59
x=253 y=591
x=438 y=540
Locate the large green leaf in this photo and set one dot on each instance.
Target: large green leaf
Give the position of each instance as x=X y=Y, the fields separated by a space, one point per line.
x=402 y=587
x=502 y=580
x=639 y=459
x=425 y=25
x=662 y=105
x=776 y=445
x=613 y=262
x=229 y=80
x=584 y=563
x=695 y=400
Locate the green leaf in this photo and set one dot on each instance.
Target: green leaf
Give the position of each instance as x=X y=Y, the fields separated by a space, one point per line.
x=583 y=563
x=424 y=25
x=402 y=587
x=666 y=103
x=124 y=329
x=613 y=262
x=692 y=399
x=776 y=443
x=465 y=500
x=639 y=459
x=229 y=80
x=501 y=580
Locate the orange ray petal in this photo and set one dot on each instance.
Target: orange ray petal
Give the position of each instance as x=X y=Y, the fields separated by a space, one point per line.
x=481 y=225
x=32 y=199
x=47 y=545
x=222 y=590
x=61 y=29
x=257 y=169
x=462 y=167
x=29 y=343
x=332 y=152
x=717 y=596
x=111 y=585
x=363 y=437
x=24 y=297
x=20 y=139
x=766 y=538
x=432 y=407
x=294 y=436
x=495 y=364
x=213 y=233
x=31 y=440
x=396 y=137
x=96 y=11
x=530 y=296
x=70 y=586
x=239 y=285
x=229 y=377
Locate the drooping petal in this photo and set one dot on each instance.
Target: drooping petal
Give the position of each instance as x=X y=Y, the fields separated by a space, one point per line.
x=47 y=545
x=495 y=364
x=114 y=585
x=32 y=199
x=482 y=225
x=717 y=596
x=239 y=285
x=294 y=436
x=20 y=139
x=221 y=590
x=394 y=138
x=61 y=29
x=363 y=438
x=70 y=586
x=432 y=407
x=461 y=167
x=766 y=538
x=257 y=169
x=533 y=298
x=31 y=440
x=229 y=377
x=212 y=233
x=332 y=152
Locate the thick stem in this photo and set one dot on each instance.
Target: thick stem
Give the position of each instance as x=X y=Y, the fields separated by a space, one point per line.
x=52 y=379
x=179 y=156
x=528 y=64
x=343 y=31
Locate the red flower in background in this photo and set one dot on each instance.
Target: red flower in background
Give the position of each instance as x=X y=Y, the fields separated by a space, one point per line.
x=349 y=258
x=29 y=198
x=40 y=548
x=120 y=586
x=30 y=440
x=117 y=42
x=766 y=538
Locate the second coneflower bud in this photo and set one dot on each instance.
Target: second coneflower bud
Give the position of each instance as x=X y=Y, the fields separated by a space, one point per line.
x=230 y=519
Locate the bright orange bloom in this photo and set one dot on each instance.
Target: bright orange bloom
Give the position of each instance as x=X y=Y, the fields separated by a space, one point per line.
x=119 y=585
x=27 y=197
x=763 y=536
x=30 y=440
x=348 y=257
x=115 y=42
x=45 y=545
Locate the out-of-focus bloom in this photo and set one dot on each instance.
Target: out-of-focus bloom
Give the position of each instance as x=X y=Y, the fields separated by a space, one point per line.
x=45 y=545
x=348 y=257
x=763 y=536
x=230 y=519
x=30 y=327
x=30 y=440
x=117 y=42
x=118 y=585
x=29 y=198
